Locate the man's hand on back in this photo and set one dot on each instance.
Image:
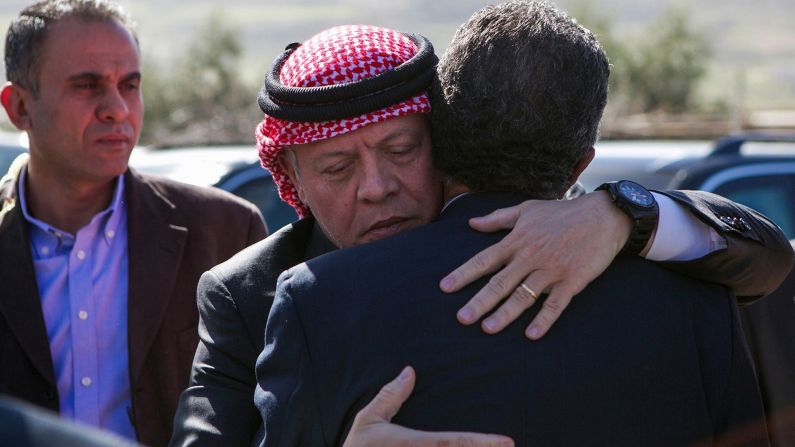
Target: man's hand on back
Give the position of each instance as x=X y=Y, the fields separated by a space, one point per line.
x=372 y=426
x=555 y=247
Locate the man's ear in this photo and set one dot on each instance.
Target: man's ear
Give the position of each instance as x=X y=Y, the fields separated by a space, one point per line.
x=581 y=165
x=14 y=99
x=286 y=161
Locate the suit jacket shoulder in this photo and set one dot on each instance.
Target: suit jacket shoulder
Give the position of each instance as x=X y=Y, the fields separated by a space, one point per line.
x=250 y=276
x=200 y=205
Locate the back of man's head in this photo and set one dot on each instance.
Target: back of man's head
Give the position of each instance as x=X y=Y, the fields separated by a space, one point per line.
x=522 y=90
x=27 y=33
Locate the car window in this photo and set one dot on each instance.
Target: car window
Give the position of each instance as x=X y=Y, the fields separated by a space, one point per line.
x=771 y=195
x=261 y=191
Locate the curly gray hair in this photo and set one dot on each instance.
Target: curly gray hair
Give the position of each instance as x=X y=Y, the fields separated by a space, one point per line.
x=518 y=100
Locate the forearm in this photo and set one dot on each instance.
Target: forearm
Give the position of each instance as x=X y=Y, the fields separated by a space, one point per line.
x=695 y=237
x=217 y=408
x=756 y=257
x=215 y=416
x=560 y=246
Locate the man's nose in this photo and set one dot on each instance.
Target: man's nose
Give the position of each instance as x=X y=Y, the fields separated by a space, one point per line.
x=113 y=107
x=378 y=181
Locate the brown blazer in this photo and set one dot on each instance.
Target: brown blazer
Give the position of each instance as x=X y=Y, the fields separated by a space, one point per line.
x=175 y=232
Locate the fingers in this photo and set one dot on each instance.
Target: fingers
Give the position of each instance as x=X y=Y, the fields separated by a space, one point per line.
x=371 y=427
x=554 y=305
x=387 y=402
x=501 y=219
x=499 y=286
x=483 y=263
x=502 y=285
x=454 y=439
x=522 y=298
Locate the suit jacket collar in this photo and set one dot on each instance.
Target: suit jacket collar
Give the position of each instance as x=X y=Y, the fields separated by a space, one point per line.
x=318 y=244
x=20 y=304
x=479 y=204
x=294 y=244
x=155 y=244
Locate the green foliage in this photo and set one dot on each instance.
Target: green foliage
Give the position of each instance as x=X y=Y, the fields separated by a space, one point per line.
x=657 y=71
x=618 y=53
x=669 y=64
x=201 y=98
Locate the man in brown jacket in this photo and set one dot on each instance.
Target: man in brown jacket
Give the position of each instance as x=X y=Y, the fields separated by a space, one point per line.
x=99 y=263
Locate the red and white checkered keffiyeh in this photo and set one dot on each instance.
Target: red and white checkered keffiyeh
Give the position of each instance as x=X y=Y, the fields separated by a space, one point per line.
x=338 y=55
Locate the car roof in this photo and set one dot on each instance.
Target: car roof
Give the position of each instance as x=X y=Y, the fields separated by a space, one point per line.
x=197 y=165
x=740 y=154
x=650 y=163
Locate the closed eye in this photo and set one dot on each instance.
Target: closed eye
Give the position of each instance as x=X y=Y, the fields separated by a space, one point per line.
x=336 y=169
x=86 y=85
x=130 y=86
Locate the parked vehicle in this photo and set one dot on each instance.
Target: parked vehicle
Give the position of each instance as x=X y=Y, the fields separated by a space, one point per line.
x=8 y=152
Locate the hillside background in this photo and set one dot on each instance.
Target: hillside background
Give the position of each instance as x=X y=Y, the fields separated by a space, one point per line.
x=744 y=76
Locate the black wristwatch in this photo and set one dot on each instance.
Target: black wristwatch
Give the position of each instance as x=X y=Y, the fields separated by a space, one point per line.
x=639 y=204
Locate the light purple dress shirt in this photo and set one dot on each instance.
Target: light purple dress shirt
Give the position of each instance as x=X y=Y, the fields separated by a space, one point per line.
x=82 y=281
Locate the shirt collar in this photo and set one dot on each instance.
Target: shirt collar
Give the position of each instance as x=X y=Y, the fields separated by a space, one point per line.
x=112 y=211
x=450 y=202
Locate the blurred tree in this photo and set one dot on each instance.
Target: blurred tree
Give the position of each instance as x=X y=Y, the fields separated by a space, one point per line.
x=659 y=70
x=202 y=98
x=157 y=101
x=665 y=69
x=601 y=24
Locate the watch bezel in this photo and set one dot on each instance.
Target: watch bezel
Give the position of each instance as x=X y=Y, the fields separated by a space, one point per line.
x=644 y=217
x=620 y=190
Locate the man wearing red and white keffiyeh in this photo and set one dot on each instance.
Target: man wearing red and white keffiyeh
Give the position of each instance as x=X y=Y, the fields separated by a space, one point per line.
x=364 y=173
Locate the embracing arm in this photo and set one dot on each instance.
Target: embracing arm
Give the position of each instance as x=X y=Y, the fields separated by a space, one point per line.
x=217 y=408
x=757 y=256
x=559 y=247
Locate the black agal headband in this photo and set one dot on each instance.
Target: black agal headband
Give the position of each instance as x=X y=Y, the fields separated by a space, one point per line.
x=337 y=101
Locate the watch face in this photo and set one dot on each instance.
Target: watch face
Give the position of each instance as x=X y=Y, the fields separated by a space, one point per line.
x=636 y=193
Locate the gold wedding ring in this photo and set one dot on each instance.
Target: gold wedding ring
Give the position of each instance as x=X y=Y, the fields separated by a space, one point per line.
x=529 y=290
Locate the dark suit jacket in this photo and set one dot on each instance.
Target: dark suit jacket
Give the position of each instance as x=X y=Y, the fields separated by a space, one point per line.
x=234 y=300
x=175 y=232
x=217 y=408
x=642 y=356
x=769 y=325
